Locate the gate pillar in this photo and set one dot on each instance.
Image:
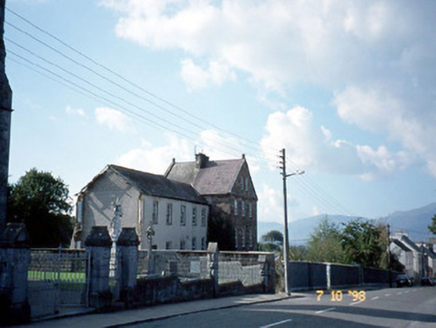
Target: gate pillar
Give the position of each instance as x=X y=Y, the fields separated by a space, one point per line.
x=99 y=243
x=127 y=269
x=212 y=264
x=14 y=263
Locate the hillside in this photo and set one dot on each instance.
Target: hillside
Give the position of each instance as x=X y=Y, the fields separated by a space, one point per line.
x=414 y=222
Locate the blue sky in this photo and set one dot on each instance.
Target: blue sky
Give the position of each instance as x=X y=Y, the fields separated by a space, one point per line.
x=346 y=87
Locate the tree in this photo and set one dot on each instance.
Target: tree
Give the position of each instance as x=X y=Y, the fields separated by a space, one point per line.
x=272 y=242
x=41 y=202
x=269 y=247
x=365 y=243
x=273 y=236
x=325 y=243
x=432 y=227
x=220 y=230
x=298 y=252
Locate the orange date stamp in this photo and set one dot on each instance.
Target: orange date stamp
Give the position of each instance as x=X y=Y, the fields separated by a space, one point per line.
x=338 y=295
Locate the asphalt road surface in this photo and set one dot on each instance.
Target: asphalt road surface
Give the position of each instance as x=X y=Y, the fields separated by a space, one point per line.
x=395 y=307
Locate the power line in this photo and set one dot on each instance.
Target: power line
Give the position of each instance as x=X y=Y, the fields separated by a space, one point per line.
x=257 y=148
x=118 y=105
x=310 y=187
x=130 y=82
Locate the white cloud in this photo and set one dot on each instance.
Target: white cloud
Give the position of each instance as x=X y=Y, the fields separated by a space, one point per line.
x=75 y=111
x=277 y=41
x=376 y=109
x=376 y=56
x=385 y=161
x=156 y=159
x=218 y=146
x=311 y=147
x=114 y=119
x=196 y=77
x=270 y=204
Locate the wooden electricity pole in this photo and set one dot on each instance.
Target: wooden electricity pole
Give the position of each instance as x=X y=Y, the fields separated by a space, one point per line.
x=285 y=229
x=285 y=210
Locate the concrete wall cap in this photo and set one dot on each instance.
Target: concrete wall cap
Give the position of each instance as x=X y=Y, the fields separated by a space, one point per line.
x=212 y=248
x=128 y=237
x=15 y=236
x=99 y=237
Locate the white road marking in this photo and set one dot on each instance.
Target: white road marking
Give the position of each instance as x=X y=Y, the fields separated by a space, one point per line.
x=354 y=303
x=326 y=310
x=387 y=295
x=374 y=298
x=275 y=323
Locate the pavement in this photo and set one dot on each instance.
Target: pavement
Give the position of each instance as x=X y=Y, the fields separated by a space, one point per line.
x=84 y=318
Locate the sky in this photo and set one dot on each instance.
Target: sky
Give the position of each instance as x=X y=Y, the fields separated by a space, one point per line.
x=346 y=87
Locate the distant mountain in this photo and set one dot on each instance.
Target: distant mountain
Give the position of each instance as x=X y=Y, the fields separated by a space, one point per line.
x=414 y=222
x=299 y=230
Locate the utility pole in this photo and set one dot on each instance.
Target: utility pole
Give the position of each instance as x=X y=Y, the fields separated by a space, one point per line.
x=285 y=210
x=285 y=232
x=389 y=256
x=5 y=122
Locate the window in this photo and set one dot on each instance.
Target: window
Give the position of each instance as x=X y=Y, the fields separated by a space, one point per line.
x=182 y=215
x=168 y=245
x=203 y=217
x=236 y=238
x=243 y=238
x=194 y=243
x=250 y=210
x=236 y=207
x=155 y=214
x=246 y=184
x=250 y=238
x=203 y=243
x=242 y=183
x=182 y=244
x=243 y=208
x=79 y=211
x=194 y=216
x=169 y=214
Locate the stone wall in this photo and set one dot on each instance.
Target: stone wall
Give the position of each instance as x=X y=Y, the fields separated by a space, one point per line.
x=158 y=290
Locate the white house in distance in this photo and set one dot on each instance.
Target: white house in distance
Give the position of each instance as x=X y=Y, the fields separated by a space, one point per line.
x=418 y=258
x=175 y=210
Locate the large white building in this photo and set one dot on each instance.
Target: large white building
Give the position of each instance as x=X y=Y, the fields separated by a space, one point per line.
x=174 y=210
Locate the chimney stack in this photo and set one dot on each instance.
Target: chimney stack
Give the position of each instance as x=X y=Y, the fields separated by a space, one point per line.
x=201 y=160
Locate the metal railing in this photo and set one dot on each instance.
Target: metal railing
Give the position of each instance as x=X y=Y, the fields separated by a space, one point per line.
x=57 y=277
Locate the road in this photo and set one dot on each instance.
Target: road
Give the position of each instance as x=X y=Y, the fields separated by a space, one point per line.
x=395 y=307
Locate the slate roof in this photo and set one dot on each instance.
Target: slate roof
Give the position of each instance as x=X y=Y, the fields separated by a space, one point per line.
x=430 y=253
x=155 y=185
x=215 y=178
x=406 y=244
x=409 y=243
x=401 y=245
